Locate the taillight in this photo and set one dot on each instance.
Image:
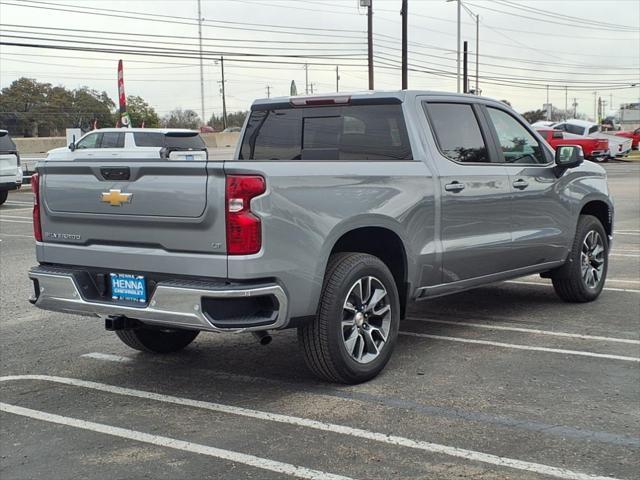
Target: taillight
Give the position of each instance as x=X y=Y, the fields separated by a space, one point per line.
x=35 y=188
x=244 y=229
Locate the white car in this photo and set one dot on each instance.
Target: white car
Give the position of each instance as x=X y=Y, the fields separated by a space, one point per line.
x=618 y=146
x=10 y=171
x=132 y=143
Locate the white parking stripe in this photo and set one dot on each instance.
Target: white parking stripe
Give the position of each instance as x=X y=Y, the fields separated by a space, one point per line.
x=17 y=202
x=17 y=210
x=527 y=330
x=258 y=462
x=3 y=219
x=627 y=255
x=625 y=233
x=523 y=347
x=4 y=215
x=327 y=427
x=15 y=235
x=611 y=289
x=108 y=357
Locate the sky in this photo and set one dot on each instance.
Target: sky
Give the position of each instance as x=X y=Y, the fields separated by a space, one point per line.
x=575 y=46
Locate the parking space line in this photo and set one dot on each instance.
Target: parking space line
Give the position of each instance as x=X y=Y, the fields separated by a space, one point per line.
x=18 y=202
x=522 y=347
x=17 y=210
x=627 y=255
x=394 y=402
x=15 y=235
x=4 y=219
x=108 y=357
x=4 y=215
x=237 y=457
x=322 y=426
x=526 y=330
x=611 y=289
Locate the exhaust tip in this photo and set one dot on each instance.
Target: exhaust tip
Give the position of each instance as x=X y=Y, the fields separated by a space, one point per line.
x=263 y=337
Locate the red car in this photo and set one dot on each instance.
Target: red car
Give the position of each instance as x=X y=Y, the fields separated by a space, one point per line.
x=634 y=136
x=595 y=149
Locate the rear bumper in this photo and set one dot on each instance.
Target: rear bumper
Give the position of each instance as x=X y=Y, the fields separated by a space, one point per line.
x=215 y=306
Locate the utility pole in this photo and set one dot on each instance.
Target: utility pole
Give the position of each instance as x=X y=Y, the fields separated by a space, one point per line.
x=566 y=105
x=611 y=101
x=477 y=54
x=224 y=99
x=595 y=108
x=369 y=39
x=548 y=106
x=306 y=79
x=201 y=62
x=575 y=107
x=464 y=67
x=268 y=88
x=311 y=87
x=459 y=4
x=337 y=79
x=405 y=66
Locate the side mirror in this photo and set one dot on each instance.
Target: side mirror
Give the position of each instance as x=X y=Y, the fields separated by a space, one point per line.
x=569 y=156
x=72 y=146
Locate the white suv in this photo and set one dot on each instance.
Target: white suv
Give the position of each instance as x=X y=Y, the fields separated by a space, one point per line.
x=132 y=143
x=10 y=171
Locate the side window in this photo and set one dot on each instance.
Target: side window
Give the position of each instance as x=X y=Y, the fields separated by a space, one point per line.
x=574 y=129
x=457 y=132
x=560 y=126
x=516 y=143
x=593 y=129
x=144 y=139
x=90 y=141
x=112 y=140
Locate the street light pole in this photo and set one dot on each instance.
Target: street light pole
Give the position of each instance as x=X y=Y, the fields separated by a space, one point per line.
x=459 y=5
x=477 y=54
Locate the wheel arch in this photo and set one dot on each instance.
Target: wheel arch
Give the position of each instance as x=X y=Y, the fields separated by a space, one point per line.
x=384 y=243
x=602 y=210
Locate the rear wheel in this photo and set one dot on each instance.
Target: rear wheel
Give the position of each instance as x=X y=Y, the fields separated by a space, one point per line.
x=354 y=332
x=154 y=340
x=582 y=277
x=3 y=196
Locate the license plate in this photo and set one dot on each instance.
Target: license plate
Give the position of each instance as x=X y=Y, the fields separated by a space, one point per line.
x=127 y=287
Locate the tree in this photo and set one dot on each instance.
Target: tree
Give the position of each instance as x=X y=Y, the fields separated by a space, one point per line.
x=533 y=116
x=179 y=118
x=235 y=119
x=140 y=111
x=21 y=106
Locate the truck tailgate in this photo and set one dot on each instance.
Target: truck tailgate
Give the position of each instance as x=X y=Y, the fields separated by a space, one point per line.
x=140 y=215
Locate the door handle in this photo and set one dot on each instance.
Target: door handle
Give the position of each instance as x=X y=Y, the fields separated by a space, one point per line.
x=520 y=184
x=454 y=186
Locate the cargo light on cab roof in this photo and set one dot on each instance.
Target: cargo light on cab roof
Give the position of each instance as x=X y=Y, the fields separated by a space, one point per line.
x=318 y=101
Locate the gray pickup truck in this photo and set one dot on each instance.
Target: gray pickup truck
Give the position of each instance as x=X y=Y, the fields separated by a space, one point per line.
x=334 y=213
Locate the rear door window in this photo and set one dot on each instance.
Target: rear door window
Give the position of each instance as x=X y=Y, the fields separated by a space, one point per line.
x=353 y=132
x=457 y=132
x=112 y=140
x=172 y=140
x=148 y=139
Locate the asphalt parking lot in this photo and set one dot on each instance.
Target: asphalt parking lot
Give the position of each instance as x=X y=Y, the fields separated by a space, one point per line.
x=506 y=381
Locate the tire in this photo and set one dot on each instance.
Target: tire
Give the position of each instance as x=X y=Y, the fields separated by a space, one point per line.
x=350 y=341
x=155 y=340
x=577 y=280
x=3 y=196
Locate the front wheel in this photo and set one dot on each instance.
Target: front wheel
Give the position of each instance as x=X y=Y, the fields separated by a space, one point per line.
x=354 y=332
x=155 y=340
x=582 y=277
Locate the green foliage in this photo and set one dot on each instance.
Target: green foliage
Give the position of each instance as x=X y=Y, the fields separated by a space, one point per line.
x=534 y=116
x=234 y=119
x=179 y=118
x=140 y=111
x=30 y=108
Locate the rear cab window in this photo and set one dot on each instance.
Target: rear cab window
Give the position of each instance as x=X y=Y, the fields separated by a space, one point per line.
x=6 y=144
x=345 y=132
